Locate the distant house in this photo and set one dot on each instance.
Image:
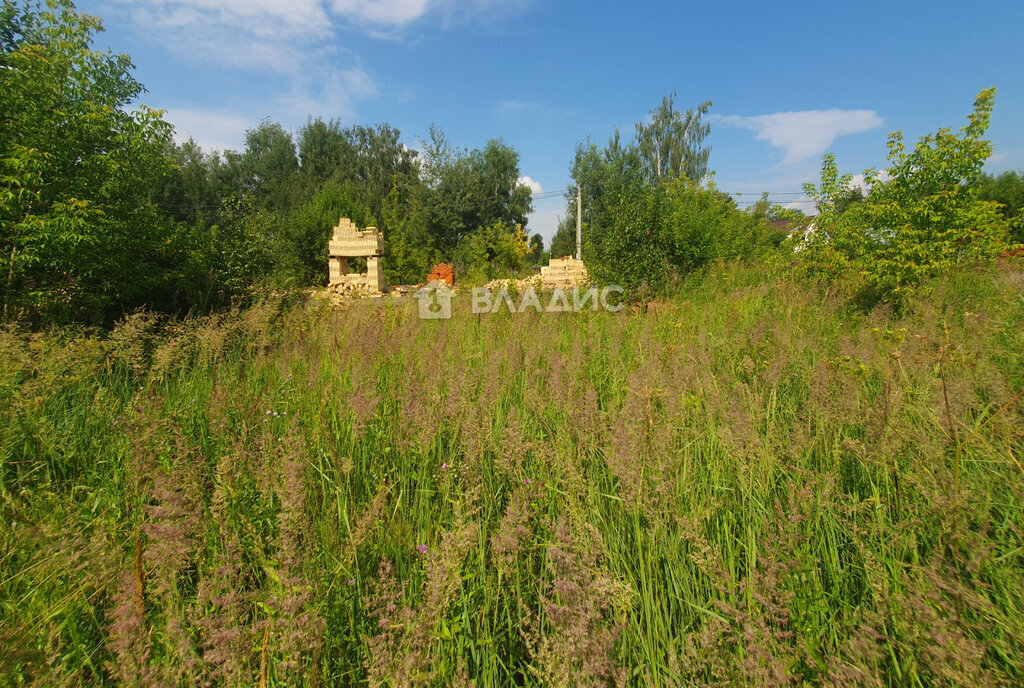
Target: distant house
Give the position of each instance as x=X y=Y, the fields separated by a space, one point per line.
x=787 y=226
x=796 y=230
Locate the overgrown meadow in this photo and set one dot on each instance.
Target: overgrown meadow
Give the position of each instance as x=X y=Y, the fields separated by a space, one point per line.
x=750 y=484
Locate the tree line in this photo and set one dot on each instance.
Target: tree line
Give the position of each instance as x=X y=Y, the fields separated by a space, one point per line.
x=652 y=214
x=103 y=212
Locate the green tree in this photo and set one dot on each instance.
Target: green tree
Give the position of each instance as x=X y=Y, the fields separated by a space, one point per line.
x=670 y=143
x=324 y=151
x=471 y=190
x=830 y=190
x=81 y=234
x=502 y=197
x=270 y=166
x=564 y=242
x=923 y=216
x=701 y=224
x=381 y=164
x=1007 y=189
x=496 y=250
x=409 y=247
x=189 y=194
x=603 y=175
x=242 y=249
x=772 y=212
x=536 y=254
x=628 y=246
x=658 y=234
x=372 y=158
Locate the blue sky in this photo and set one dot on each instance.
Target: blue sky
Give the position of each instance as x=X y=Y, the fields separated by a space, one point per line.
x=789 y=81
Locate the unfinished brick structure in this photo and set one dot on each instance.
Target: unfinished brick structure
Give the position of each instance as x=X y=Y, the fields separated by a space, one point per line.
x=348 y=241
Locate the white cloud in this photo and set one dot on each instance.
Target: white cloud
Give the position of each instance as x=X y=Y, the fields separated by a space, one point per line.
x=288 y=40
x=260 y=35
x=381 y=12
x=535 y=186
x=858 y=182
x=307 y=19
x=268 y=19
x=803 y=204
x=211 y=130
x=804 y=134
x=295 y=41
x=327 y=94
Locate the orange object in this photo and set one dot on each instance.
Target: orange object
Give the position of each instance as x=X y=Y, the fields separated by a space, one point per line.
x=442 y=272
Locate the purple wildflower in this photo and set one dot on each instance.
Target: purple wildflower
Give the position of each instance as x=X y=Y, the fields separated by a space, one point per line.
x=422 y=549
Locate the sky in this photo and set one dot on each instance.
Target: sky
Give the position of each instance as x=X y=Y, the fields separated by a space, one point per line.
x=788 y=81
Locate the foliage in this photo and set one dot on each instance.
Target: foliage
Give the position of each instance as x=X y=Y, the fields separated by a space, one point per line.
x=471 y=190
x=370 y=158
x=536 y=254
x=78 y=172
x=409 y=245
x=703 y=225
x=101 y=212
x=497 y=250
x=644 y=237
x=269 y=166
x=627 y=247
x=648 y=218
x=564 y=242
x=1007 y=189
x=242 y=249
x=827 y=193
x=923 y=216
x=670 y=143
x=770 y=212
x=602 y=174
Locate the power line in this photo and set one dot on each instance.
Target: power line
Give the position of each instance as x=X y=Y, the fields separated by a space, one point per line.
x=807 y=200
x=770 y=193
x=568 y=194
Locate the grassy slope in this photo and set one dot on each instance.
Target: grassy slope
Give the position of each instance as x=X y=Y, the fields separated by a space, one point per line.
x=749 y=484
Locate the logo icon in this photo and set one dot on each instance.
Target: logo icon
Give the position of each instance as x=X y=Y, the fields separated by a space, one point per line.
x=435 y=302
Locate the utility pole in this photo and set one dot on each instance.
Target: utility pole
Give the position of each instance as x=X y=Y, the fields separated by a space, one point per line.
x=579 y=222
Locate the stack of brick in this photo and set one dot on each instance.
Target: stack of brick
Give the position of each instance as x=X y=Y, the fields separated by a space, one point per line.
x=563 y=272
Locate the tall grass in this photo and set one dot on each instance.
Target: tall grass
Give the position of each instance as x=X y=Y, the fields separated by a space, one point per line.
x=748 y=485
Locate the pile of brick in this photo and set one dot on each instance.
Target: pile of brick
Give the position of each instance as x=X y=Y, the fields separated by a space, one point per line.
x=564 y=272
x=353 y=289
x=442 y=272
x=515 y=285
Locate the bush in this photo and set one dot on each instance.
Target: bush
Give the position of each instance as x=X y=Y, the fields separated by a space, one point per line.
x=659 y=234
x=922 y=217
